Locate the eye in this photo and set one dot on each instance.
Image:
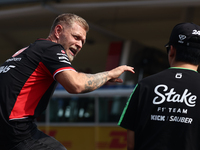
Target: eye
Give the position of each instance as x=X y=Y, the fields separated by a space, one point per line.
x=75 y=37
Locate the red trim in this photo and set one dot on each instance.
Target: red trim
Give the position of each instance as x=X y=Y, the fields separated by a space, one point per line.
x=62 y=69
x=31 y=93
x=19 y=51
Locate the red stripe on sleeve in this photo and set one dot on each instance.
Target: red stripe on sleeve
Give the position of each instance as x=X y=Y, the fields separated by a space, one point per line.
x=62 y=69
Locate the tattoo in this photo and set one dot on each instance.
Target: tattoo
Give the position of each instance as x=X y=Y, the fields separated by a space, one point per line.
x=94 y=81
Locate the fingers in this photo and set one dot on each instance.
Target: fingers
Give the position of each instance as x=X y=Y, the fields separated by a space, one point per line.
x=116 y=72
x=126 y=68
x=131 y=70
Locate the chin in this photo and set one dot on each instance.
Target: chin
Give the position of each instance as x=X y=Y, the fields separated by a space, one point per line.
x=71 y=59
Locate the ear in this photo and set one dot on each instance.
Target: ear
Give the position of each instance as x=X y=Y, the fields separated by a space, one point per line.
x=172 y=52
x=57 y=30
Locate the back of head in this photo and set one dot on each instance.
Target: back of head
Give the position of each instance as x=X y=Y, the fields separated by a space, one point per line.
x=185 y=37
x=69 y=19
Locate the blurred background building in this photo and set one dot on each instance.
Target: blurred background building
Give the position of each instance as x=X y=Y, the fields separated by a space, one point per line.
x=131 y=32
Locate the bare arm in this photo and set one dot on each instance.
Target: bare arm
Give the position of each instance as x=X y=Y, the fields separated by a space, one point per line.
x=76 y=82
x=130 y=140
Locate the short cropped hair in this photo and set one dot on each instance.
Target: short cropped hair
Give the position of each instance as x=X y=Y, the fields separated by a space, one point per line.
x=188 y=54
x=69 y=19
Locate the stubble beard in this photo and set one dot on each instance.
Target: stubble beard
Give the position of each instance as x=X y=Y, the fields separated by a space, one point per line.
x=71 y=58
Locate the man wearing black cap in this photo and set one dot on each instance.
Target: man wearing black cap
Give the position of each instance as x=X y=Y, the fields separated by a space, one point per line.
x=163 y=111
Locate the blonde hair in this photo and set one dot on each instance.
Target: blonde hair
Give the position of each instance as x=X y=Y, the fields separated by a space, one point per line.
x=69 y=19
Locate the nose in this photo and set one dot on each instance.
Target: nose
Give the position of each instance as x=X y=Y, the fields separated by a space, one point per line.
x=79 y=44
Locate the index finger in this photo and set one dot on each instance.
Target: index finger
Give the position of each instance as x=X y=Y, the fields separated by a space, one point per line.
x=131 y=69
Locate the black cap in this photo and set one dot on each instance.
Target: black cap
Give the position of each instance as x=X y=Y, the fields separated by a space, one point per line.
x=182 y=33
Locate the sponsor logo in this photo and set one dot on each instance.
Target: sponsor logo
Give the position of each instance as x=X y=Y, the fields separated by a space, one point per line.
x=4 y=69
x=158 y=117
x=62 y=51
x=13 y=59
x=118 y=141
x=63 y=58
x=172 y=119
x=61 y=54
x=180 y=119
x=181 y=37
x=113 y=139
x=196 y=32
x=172 y=96
x=178 y=76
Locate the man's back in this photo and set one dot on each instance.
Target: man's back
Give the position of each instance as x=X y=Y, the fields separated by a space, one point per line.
x=163 y=111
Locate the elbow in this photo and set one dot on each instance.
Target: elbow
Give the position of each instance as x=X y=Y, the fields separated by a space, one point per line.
x=74 y=91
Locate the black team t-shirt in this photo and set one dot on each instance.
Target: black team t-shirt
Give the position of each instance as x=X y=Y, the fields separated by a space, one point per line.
x=27 y=81
x=164 y=111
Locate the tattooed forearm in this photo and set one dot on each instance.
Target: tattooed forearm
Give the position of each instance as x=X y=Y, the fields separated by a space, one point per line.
x=94 y=81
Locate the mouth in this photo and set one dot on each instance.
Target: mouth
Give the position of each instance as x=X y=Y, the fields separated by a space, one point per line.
x=73 y=51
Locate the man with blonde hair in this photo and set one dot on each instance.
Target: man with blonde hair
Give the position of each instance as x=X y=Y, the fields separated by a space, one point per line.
x=29 y=78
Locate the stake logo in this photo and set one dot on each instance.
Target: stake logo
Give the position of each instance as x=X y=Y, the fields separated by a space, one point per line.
x=165 y=95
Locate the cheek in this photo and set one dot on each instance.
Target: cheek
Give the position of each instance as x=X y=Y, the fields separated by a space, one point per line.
x=64 y=43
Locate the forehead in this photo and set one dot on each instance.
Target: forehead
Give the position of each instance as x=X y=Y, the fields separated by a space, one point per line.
x=78 y=29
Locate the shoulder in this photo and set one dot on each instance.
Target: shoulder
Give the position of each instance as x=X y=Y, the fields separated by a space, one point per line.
x=155 y=77
x=46 y=43
x=48 y=47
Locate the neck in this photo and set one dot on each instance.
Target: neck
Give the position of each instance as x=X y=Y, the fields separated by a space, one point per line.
x=51 y=39
x=185 y=65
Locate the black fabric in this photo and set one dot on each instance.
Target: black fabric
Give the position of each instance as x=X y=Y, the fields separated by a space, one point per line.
x=38 y=141
x=27 y=83
x=182 y=34
x=163 y=111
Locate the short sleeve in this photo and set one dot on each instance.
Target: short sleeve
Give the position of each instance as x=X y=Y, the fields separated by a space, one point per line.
x=56 y=60
x=128 y=116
